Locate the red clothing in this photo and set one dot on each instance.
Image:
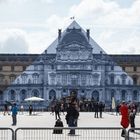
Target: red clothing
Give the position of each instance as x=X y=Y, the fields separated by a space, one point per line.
x=125 y=116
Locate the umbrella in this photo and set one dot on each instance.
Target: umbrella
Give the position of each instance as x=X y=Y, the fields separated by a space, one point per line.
x=34 y=99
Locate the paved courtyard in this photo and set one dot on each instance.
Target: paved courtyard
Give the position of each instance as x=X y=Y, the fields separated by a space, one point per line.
x=45 y=119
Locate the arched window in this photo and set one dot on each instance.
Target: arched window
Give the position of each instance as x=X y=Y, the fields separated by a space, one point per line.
x=52 y=95
x=95 y=95
x=135 y=95
x=112 y=79
x=12 y=95
x=123 y=76
x=123 y=95
x=35 y=93
x=23 y=94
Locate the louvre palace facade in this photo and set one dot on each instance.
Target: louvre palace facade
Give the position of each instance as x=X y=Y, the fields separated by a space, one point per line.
x=74 y=64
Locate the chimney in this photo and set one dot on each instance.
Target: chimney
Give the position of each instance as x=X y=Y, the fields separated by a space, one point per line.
x=88 y=34
x=59 y=34
x=46 y=51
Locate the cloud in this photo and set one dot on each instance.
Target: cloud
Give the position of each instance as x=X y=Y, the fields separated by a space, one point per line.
x=111 y=26
x=13 y=41
x=117 y=29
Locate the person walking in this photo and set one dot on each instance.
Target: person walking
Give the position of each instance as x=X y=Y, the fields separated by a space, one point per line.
x=14 y=114
x=124 y=118
x=6 y=109
x=57 y=111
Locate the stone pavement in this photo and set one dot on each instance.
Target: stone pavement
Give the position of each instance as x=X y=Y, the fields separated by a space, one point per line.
x=86 y=119
x=45 y=119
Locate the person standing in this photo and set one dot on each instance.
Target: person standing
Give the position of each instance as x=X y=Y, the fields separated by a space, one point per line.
x=101 y=106
x=125 y=118
x=96 y=108
x=132 y=119
x=30 y=109
x=21 y=109
x=14 y=114
x=117 y=109
x=62 y=108
x=71 y=117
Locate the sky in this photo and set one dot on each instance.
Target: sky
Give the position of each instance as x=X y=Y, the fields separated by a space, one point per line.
x=30 y=26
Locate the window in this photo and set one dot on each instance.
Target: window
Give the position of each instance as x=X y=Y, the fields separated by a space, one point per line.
x=83 y=79
x=74 y=80
x=58 y=79
x=1 y=95
x=123 y=68
x=35 y=78
x=0 y=68
x=135 y=68
x=35 y=67
x=123 y=79
x=52 y=78
x=52 y=67
x=12 y=78
x=52 y=95
x=135 y=79
x=23 y=95
x=95 y=79
x=135 y=95
x=18 y=81
x=112 y=93
x=112 y=67
x=123 y=95
x=112 y=79
x=64 y=79
x=96 y=67
x=12 y=68
x=12 y=95
x=1 y=78
x=24 y=68
x=24 y=78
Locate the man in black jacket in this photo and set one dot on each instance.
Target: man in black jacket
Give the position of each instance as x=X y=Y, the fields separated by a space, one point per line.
x=71 y=117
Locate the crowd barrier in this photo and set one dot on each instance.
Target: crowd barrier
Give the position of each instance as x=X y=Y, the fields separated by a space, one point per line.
x=6 y=134
x=81 y=133
x=134 y=134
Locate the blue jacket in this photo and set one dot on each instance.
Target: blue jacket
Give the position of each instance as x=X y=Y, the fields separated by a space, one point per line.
x=14 y=110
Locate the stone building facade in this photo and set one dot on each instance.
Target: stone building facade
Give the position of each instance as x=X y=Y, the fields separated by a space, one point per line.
x=74 y=64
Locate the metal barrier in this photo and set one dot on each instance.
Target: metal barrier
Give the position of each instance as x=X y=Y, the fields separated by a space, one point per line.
x=81 y=133
x=6 y=133
x=134 y=134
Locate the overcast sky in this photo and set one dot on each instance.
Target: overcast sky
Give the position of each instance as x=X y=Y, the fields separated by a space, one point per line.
x=29 y=26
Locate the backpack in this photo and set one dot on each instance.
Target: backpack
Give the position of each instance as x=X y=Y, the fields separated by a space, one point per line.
x=58 y=123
